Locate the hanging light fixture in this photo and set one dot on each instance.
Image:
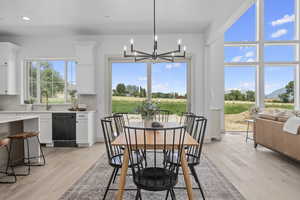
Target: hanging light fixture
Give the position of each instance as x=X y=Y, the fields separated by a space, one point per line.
x=155 y=55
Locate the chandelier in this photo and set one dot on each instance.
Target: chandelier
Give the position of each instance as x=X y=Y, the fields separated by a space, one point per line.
x=155 y=55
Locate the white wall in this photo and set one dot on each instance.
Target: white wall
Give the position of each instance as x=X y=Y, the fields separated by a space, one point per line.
x=63 y=47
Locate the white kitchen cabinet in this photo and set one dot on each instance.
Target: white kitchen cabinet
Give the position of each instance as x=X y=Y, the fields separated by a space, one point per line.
x=85 y=53
x=3 y=79
x=8 y=72
x=45 y=126
x=85 y=129
x=86 y=79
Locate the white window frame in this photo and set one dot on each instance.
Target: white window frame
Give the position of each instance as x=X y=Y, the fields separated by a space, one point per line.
x=112 y=60
x=25 y=93
x=260 y=43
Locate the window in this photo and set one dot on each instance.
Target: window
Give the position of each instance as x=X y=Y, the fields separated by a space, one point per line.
x=244 y=29
x=281 y=53
x=239 y=96
x=240 y=54
x=163 y=83
x=279 y=18
x=169 y=86
x=272 y=56
x=54 y=79
x=129 y=86
x=279 y=87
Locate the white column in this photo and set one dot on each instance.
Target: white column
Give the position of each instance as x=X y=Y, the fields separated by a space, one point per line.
x=297 y=71
x=260 y=90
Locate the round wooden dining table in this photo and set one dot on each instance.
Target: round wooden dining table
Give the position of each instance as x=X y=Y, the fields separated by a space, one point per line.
x=121 y=141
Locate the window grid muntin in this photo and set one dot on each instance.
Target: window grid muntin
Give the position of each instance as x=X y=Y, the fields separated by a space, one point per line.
x=260 y=43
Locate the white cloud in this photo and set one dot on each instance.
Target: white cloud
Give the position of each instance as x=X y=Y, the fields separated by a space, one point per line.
x=247 y=85
x=279 y=33
x=162 y=87
x=285 y=19
x=250 y=60
x=142 y=78
x=249 y=54
x=236 y=59
x=169 y=66
x=173 y=65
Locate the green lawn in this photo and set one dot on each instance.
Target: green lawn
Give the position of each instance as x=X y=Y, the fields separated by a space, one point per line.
x=236 y=108
x=175 y=107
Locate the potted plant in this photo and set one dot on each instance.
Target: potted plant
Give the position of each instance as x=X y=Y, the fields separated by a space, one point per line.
x=29 y=104
x=73 y=96
x=147 y=110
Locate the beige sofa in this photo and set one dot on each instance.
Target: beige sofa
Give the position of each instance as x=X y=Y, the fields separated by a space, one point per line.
x=269 y=133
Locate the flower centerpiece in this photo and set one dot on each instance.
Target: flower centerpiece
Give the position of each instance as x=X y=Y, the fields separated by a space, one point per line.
x=147 y=110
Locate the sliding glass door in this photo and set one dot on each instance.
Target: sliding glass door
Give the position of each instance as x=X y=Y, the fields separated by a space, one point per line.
x=163 y=83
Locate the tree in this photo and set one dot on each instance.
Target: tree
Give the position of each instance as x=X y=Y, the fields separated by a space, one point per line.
x=121 y=89
x=235 y=95
x=284 y=97
x=250 y=95
x=288 y=96
x=50 y=80
x=132 y=90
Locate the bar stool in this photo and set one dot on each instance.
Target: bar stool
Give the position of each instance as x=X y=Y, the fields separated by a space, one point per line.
x=25 y=136
x=4 y=143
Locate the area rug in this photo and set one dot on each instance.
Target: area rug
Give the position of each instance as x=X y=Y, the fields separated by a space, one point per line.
x=91 y=186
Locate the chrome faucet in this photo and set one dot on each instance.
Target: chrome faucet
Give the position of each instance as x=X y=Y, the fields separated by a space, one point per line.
x=47 y=99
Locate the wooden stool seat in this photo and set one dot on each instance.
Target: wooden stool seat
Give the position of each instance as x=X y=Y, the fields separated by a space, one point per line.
x=4 y=142
x=24 y=135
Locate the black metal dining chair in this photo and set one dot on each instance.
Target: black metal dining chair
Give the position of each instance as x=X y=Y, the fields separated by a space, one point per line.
x=125 y=117
x=162 y=115
x=183 y=117
x=193 y=153
x=153 y=175
x=114 y=153
x=119 y=123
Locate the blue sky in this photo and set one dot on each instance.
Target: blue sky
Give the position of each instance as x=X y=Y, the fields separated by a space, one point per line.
x=279 y=23
x=166 y=77
x=59 y=67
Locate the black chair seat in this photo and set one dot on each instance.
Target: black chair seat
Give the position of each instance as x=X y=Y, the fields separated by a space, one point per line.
x=155 y=179
x=117 y=160
x=190 y=158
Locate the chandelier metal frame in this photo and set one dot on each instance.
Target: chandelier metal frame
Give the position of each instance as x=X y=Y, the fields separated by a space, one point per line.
x=167 y=56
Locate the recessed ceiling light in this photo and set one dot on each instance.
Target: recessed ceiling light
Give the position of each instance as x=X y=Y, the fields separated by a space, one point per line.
x=25 y=18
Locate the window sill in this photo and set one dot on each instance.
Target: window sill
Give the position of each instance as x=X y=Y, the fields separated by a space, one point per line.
x=64 y=104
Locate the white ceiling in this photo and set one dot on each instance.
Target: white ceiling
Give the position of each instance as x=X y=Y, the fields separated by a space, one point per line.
x=89 y=17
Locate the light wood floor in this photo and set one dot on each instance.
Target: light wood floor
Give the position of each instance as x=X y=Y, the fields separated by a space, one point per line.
x=258 y=174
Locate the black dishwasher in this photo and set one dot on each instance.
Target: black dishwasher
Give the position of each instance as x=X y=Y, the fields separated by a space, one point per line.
x=64 y=129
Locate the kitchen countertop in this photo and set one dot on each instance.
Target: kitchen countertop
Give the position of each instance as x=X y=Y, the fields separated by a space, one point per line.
x=44 y=111
x=21 y=118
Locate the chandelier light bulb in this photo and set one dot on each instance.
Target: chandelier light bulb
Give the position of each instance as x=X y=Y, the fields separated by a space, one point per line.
x=125 y=48
x=184 y=48
x=173 y=54
x=135 y=53
x=131 y=41
x=179 y=42
x=155 y=38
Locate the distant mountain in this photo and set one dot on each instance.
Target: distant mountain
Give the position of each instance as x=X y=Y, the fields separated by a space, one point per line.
x=275 y=94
